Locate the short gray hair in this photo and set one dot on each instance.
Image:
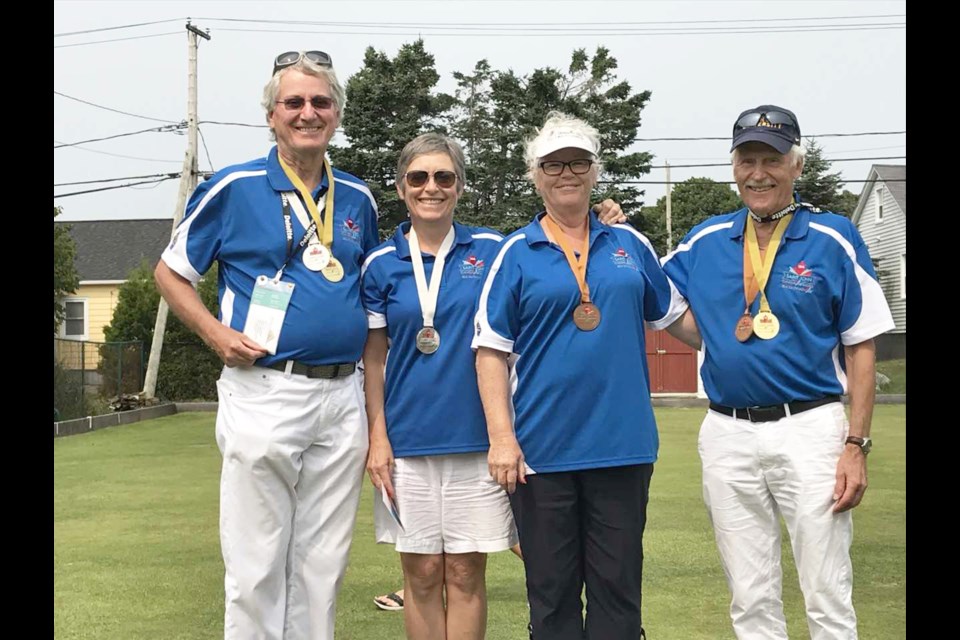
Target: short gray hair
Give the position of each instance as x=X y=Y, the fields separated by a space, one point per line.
x=797 y=155
x=305 y=66
x=558 y=120
x=433 y=142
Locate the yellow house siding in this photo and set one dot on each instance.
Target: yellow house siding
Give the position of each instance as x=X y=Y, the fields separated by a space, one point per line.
x=101 y=299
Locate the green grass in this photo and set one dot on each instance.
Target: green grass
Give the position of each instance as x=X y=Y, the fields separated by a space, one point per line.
x=896 y=370
x=136 y=547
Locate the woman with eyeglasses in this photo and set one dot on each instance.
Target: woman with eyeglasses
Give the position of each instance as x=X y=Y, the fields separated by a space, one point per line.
x=572 y=435
x=428 y=437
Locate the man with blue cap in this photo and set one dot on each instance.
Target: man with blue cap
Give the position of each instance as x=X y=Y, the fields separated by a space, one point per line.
x=787 y=304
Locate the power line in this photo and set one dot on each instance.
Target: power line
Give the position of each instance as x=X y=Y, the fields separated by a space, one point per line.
x=117 y=155
x=204 y=141
x=100 y=106
x=727 y=164
x=581 y=32
x=119 y=186
x=83 y=44
x=815 y=135
x=163 y=129
x=237 y=124
x=675 y=182
x=123 y=26
x=155 y=175
x=437 y=25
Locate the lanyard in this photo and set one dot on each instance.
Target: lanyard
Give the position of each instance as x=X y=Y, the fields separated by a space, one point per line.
x=428 y=295
x=579 y=267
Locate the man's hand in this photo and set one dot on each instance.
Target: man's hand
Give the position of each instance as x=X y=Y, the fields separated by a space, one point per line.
x=851 y=479
x=234 y=348
x=609 y=212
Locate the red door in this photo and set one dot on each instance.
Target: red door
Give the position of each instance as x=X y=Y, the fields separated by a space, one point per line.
x=672 y=364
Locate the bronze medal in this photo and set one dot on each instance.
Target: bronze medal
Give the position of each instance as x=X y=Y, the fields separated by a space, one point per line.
x=586 y=316
x=428 y=340
x=766 y=325
x=333 y=271
x=744 y=327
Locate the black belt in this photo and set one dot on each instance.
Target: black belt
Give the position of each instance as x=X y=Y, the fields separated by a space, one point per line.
x=326 y=371
x=773 y=412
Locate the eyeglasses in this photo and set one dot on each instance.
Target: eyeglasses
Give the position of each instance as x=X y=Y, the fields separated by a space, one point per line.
x=319 y=103
x=291 y=58
x=443 y=179
x=774 y=119
x=577 y=167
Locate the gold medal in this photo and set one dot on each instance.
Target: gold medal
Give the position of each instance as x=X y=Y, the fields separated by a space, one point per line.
x=333 y=271
x=744 y=327
x=586 y=316
x=766 y=325
x=428 y=340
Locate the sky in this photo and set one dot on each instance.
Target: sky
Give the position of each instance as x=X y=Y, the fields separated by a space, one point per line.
x=840 y=66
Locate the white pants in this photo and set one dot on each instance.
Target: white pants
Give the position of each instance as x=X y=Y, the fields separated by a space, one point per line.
x=294 y=451
x=754 y=472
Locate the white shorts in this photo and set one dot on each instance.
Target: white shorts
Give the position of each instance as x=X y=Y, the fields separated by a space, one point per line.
x=447 y=504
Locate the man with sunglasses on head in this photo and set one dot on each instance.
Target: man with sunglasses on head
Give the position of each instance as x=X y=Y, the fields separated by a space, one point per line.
x=788 y=304
x=289 y=233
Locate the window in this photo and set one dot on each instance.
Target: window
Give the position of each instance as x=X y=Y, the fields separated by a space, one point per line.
x=903 y=276
x=74 y=324
x=880 y=192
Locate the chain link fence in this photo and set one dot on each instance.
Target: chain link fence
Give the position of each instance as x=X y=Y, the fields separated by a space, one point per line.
x=86 y=374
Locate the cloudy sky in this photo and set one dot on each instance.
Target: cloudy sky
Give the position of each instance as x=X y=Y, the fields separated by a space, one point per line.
x=840 y=66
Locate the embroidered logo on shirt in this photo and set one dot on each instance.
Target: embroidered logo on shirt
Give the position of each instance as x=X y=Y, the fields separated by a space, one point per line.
x=622 y=259
x=350 y=230
x=472 y=267
x=799 y=278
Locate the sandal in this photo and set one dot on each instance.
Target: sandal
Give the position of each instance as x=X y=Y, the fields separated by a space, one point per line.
x=389 y=602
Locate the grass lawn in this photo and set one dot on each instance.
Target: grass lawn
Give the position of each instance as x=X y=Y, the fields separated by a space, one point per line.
x=896 y=370
x=136 y=546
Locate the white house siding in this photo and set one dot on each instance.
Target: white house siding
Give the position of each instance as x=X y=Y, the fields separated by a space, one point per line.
x=887 y=241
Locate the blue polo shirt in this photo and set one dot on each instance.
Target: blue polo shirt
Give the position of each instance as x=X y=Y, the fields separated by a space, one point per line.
x=236 y=219
x=822 y=288
x=582 y=398
x=432 y=403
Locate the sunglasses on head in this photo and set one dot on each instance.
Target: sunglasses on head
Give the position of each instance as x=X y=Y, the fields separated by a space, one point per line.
x=291 y=58
x=774 y=119
x=443 y=179
x=319 y=103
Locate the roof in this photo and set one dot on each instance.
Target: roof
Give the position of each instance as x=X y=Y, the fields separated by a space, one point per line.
x=110 y=249
x=894 y=178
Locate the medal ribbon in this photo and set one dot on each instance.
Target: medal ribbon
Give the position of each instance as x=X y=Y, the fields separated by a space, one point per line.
x=579 y=267
x=428 y=296
x=326 y=223
x=761 y=266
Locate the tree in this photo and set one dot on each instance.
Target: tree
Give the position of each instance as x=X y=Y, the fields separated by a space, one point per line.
x=818 y=187
x=497 y=111
x=693 y=201
x=389 y=102
x=65 y=279
x=188 y=368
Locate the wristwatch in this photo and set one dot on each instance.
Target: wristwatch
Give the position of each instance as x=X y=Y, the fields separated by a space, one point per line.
x=865 y=444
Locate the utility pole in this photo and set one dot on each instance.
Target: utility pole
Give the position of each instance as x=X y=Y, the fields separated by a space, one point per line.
x=669 y=223
x=188 y=182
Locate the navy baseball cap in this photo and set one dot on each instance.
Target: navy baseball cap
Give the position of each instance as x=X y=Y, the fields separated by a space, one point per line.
x=769 y=124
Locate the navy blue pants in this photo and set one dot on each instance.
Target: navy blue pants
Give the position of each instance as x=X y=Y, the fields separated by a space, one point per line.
x=584 y=528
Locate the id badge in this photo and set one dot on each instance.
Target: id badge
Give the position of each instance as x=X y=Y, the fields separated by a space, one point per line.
x=268 y=308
